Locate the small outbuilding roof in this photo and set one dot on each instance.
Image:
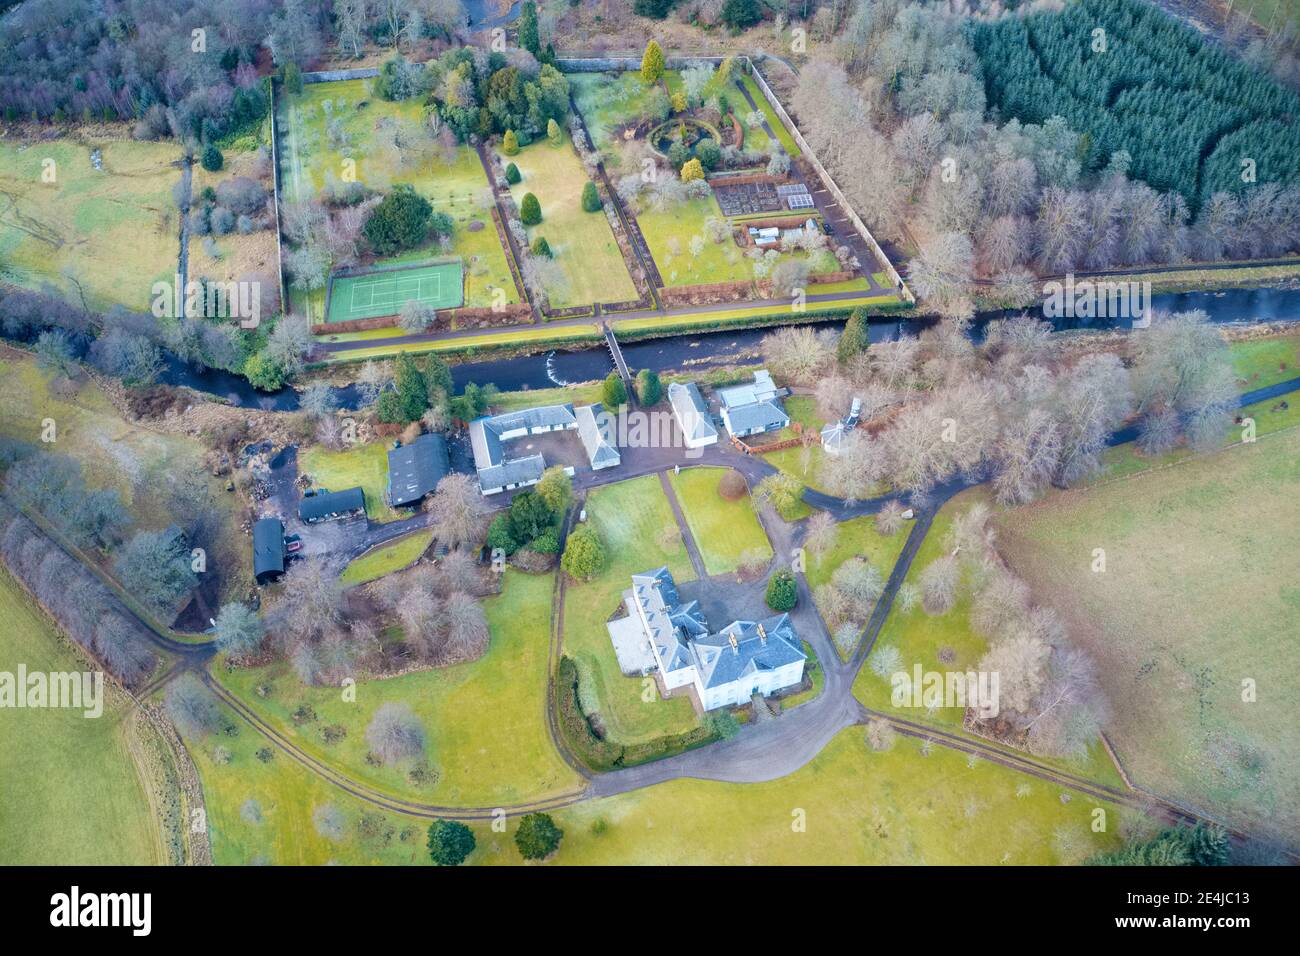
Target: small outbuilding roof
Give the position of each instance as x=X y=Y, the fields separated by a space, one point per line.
x=268 y=549
x=692 y=414
x=414 y=470
x=332 y=504
x=597 y=434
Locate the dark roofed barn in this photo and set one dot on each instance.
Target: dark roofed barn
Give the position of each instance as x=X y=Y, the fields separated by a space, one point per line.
x=414 y=470
x=329 y=505
x=268 y=549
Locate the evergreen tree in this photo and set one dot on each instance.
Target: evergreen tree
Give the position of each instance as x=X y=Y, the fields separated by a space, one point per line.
x=855 y=338
x=591 y=198
x=782 y=591
x=614 y=392
x=212 y=159
x=530 y=210
x=648 y=388
x=529 y=38
x=450 y=842
x=652 y=63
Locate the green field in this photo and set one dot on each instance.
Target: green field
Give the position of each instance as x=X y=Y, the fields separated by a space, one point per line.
x=387 y=559
x=310 y=157
x=1199 y=595
x=364 y=466
x=72 y=794
x=115 y=230
x=263 y=811
x=629 y=517
x=921 y=637
x=857 y=537
x=723 y=530
x=1263 y=362
x=582 y=243
x=858 y=807
x=485 y=720
x=384 y=293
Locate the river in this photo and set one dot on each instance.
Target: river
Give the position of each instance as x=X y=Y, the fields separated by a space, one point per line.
x=710 y=349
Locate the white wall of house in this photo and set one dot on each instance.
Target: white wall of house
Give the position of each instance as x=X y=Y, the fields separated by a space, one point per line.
x=740 y=691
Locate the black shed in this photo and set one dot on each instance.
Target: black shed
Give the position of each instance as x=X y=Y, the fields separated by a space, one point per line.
x=268 y=549
x=329 y=505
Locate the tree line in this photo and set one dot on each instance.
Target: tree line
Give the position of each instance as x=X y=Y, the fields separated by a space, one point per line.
x=1133 y=78
x=897 y=110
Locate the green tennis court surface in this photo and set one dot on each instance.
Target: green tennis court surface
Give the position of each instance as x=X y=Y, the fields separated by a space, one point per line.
x=384 y=293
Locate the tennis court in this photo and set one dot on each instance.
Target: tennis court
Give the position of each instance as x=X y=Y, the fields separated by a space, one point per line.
x=384 y=293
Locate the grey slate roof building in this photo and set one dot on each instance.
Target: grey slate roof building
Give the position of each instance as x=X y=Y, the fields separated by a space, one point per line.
x=726 y=667
x=744 y=648
x=332 y=504
x=268 y=549
x=414 y=470
x=498 y=472
x=753 y=408
x=596 y=429
x=692 y=414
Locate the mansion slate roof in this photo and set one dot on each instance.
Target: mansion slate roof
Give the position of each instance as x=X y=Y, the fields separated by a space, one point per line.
x=681 y=635
x=672 y=624
x=743 y=647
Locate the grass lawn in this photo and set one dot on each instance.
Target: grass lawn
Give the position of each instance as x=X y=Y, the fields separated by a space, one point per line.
x=860 y=807
x=115 y=230
x=674 y=227
x=530 y=397
x=857 y=538
x=921 y=637
x=71 y=794
x=582 y=243
x=877 y=305
x=1200 y=593
x=629 y=516
x=311 y=156
x=782 y=134
x=118 y=454
x=485 y=720
x=470 y=344
x=364 y=465
x=265 y=811
x=607 y=103
x=389 y=558
x=723 y=530
x=801 y=409
x=1263 y=362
